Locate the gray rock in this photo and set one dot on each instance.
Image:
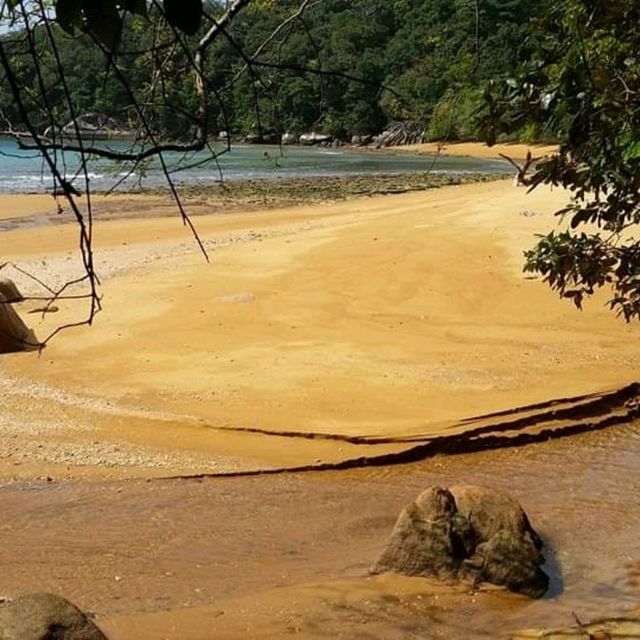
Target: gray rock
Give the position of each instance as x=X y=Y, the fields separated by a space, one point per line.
x=45 y=616
x=289 y=138
x=262 y=138
x=315 y=138
x=467 y=533
x=361 y=141
x=14 y=334
x=253 y=138
x=422 y=541
x=10 y=291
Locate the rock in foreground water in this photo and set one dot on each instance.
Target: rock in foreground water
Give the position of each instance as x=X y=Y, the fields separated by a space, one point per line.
x=45 y=616
x=467 y=532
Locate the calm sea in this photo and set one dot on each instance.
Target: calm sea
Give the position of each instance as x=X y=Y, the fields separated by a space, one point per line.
x=25 y=172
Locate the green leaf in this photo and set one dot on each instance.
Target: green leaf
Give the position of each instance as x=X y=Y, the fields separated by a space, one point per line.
x=69 y=14
x=185 y=15
x=632 y=152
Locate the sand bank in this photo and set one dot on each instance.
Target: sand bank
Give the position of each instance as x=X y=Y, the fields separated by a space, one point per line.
x=479 y=149
x=391 y=317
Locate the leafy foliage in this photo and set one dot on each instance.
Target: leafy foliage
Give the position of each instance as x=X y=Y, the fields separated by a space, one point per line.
x=583 y=85
x=344 y=67
x=103 y=18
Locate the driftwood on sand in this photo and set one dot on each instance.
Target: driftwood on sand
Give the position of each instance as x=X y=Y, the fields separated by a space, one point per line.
x=14 y=333
x=604 y=629
x=401 y=133
x=521 y=178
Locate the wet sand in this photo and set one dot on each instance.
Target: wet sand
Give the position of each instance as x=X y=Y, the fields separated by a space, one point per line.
x=280 y=556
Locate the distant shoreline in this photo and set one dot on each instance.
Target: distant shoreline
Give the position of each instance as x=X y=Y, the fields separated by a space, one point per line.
x=517 y=151
x=25 y=210
x=472 y=149
x=255 y=164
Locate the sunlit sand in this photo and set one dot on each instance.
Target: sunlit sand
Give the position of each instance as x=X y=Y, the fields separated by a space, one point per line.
x=391 y=317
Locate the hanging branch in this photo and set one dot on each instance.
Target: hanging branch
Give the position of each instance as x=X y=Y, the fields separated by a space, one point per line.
x=183 y=35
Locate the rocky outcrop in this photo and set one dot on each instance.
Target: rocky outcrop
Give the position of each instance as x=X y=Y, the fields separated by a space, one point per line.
x=14 y=334
x=10 y=291
x=289 y=138
x=262 y=138
x=314 y=137
x=91 y=125
x=361 y=141
x=45 y=616
x=467 y=532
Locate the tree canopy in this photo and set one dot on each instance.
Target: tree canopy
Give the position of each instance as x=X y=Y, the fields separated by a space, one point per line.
x=346 y=68
x=583 y=86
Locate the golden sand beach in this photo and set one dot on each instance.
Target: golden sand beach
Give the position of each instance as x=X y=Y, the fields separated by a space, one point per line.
x=317 y=336
x=361 y=325
x=478 y=150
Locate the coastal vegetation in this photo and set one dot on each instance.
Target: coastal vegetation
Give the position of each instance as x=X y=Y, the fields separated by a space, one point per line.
x=516 y=70
x=346 y=68
x=584 y=81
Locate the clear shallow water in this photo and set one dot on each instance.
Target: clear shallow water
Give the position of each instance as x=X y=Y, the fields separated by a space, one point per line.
x=25 y=172
x=236 y=537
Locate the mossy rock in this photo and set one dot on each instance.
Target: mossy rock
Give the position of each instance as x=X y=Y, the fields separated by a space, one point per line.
x=469 y=533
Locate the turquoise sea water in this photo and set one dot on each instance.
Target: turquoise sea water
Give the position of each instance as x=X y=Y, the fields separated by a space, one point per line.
x=25 y=172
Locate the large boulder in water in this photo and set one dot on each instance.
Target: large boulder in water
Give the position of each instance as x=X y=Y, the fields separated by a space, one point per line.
x=14 y=334
x=10 y=291
x=45 y=616
x=470 y=533
x=314 y=137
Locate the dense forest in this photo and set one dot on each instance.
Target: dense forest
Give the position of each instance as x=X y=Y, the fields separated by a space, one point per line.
x=345 y=68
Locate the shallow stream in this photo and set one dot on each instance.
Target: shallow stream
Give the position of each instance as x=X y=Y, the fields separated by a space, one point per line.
x=137 y=547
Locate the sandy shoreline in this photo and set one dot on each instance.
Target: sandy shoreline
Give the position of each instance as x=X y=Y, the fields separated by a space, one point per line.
x=516 y=151
x=372 y=324
x=392 y=317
